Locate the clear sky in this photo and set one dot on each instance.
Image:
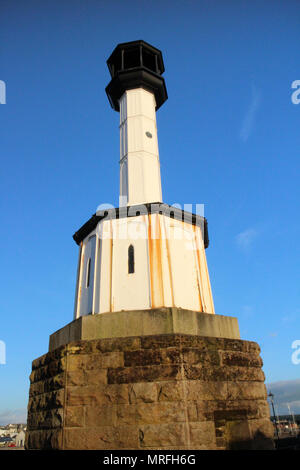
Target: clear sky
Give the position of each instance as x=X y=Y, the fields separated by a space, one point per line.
x=228 y=138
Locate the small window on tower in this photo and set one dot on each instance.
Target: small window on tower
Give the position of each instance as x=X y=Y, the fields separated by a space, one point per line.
x=130 y=259
x=88 y=272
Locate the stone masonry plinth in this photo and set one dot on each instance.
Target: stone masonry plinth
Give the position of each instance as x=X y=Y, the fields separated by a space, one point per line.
x=169 y=391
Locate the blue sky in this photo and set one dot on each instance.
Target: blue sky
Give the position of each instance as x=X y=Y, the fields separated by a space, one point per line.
x=228 y=137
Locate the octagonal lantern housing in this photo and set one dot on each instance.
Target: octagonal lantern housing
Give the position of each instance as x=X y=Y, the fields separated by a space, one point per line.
x=136 y=64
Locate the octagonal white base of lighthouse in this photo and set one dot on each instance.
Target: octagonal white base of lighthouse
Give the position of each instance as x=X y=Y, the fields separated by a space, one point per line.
x=148 y=260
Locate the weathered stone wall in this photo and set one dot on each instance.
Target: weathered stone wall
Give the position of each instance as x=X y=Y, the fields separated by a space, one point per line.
x=151 y=392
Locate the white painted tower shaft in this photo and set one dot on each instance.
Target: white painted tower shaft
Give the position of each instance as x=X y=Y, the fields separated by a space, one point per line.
x=140 y=180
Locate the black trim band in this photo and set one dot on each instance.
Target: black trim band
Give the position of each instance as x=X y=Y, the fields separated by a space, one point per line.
x=143 y=209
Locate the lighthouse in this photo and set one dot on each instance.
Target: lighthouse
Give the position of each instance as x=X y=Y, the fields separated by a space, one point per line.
x=144 y=254
x=146 y=363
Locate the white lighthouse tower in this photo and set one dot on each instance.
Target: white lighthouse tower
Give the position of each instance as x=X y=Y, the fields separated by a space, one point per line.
x=144 y=254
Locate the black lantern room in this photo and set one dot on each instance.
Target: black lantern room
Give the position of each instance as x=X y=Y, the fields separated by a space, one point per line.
x=136 y=64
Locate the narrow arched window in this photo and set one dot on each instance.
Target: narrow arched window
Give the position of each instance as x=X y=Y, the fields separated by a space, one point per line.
x=130 y=259
x=88 y=272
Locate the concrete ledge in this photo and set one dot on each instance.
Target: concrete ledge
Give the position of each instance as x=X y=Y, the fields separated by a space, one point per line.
x=145 y=322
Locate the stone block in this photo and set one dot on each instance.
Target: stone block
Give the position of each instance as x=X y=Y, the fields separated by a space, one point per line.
x=144 y=392
x=239 y=409
x=120 y=437
x=80 y=347
x=112 y=359
x=143 y=374
x=241 y=359
x=192 y=412
x=117 y=393
x=162 y=435
x=148 y=356
x=56 y=367
x=39 y=362
x=76 y=377
x=160 y=341
x=142 y=357
x=74 y=416
x=164 y=412
x=170 y=391
x=45 y=401
x=96 y=376
x=75 y=438
x=118 y=344
x=46 y=419
x=44 y=439
x=199 y=342
x=205 y=373
x=196 y=356
x=36 y=389
x=101 y=415
x=235 y=390
x=78 y=362
x=205 y=409
x=54 y=383
x=199 y=390
x=248 y=374
x=84 y=377
x=126 y=414
x=202 y=435
x=101 y=438
x=86 y=395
